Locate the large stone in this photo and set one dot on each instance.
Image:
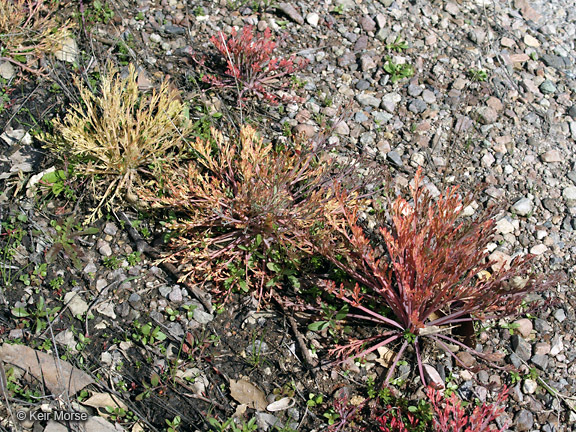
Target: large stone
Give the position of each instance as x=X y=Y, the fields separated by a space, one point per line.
x=486 y=115
x=541 y=361
x=569 y=195
x=368 y=100
x=523 y=206
x=520 y=347
x=524 y=420
x=524 y=327
x=551 y=156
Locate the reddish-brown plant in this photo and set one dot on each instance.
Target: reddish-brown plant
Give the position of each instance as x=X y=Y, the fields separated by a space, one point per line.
x=432 y=273
x=244 y=209
x=251 y=68
x=450 y=416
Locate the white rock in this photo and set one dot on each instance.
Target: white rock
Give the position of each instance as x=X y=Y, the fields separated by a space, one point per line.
x=504 y=226
x=16 y=136
x=538 y=249
x=75 y=303
x=500 y=260
x=313 y=18
x=569 y=195
x=531 y=41
x=69 y=51
x=156 y=38
x=524 y=206
x=488 y=160
x=529 y=386
x=7 y=71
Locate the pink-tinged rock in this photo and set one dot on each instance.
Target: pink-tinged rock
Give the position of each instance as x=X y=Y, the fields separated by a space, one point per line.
x=367 y=23
x=487 y=115
x=500 y=260
x=519 y=58
x=291 y=12
x=432 y=376
x=551 y=156
x=507 y=42
x=524 y=327
x=527 y=11
x=306 y=130
x=542 y=348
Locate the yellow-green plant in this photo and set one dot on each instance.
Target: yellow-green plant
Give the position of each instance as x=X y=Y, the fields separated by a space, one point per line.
x=28 y=28
x=120 y=134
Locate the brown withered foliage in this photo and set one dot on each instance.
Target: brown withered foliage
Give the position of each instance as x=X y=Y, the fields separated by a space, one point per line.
x=244 y=208
x=431 y=270
x=29 y=30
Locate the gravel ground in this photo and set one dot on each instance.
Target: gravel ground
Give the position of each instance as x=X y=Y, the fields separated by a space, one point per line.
x=491 y=102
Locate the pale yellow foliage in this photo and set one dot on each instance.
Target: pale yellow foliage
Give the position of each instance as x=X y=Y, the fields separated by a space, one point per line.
x=120 y=134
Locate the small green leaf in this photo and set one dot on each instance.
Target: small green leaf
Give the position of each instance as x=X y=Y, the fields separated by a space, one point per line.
x=20 y=312
x=318 y=325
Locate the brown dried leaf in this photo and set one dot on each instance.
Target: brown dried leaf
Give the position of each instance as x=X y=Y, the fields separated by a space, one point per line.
x=58 y=375
x=247 y=393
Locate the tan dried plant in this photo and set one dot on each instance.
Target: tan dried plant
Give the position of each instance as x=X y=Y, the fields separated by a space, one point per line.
x=120 y=135
x=245 y=209
x=30 y=29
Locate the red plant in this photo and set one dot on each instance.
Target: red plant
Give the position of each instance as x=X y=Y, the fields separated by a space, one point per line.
x=451 y=416
x=392 y=421
x=431 y=273
x=250 y=65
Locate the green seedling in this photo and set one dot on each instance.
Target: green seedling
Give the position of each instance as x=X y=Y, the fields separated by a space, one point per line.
x=174 y=424
x=56 y=283
x=510 y=327
x=478 y=75
x=398 y=45
x=333 y=320
x=397 y=71
x=111 y=262
x=39 y=316
x=147 y=333
x=64 y=233
x=314 y=400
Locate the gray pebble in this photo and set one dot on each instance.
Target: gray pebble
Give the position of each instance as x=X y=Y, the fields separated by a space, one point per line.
x=572 y=112
x=362 y=85
x=395 y=158
x=520 y=347
x=417 y=106
x=111 y=229
x=569 y=195
x=90 y=268
x=542 y=326
x=176 y=295
x=555 y=61
x=165 y=290
x=524 y=420
x=134 y=299
x=560 y=315
x=414 y=90
x=174 y=30
x=381 y=117
x=360 y=117
x=368 y=100
x=202 y=317
x=548 y=87
x=541 y=361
